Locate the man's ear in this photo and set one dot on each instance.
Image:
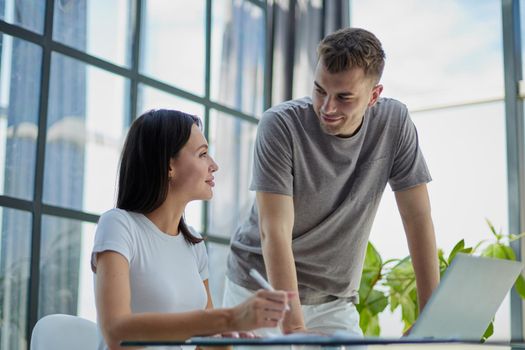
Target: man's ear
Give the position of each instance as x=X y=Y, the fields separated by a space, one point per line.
x=376 y=92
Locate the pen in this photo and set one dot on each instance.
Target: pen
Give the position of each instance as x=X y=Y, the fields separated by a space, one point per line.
x=260 y=279
x=263 y=283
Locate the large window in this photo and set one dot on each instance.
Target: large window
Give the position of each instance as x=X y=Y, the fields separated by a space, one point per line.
x=445 y=62
x=73 y=76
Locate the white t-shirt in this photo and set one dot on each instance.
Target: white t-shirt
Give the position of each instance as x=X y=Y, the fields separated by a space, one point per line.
x=166 y=272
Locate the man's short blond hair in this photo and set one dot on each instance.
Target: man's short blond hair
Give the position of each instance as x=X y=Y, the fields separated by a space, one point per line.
x=352 y=47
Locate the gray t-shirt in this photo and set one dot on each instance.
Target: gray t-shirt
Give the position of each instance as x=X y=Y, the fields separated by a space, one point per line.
x=336 y=184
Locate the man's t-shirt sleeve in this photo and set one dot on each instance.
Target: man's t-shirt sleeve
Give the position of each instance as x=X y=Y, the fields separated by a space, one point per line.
x=409 y=168
x=272 y=163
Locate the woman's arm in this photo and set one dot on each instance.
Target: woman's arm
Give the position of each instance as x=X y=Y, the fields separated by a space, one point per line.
x=209 y=305
x=113 y=299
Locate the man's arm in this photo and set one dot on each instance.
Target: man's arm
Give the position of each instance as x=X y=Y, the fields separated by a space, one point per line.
x=276 y=220
x=414 y=207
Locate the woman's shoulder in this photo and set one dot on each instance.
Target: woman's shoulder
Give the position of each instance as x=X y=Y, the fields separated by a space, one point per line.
x=115 y=213
x=118 y=219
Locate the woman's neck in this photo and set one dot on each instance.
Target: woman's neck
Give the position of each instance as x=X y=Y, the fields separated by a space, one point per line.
x=167 y=217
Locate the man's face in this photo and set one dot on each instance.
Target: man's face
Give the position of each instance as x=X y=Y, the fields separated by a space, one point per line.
x=341 y=99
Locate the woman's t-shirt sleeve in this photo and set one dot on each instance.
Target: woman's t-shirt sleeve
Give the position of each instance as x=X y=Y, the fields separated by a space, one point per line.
x=201 y=255
x=114 y=233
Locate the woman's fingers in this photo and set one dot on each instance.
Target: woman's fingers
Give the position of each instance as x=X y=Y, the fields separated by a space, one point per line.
x=281 y=298
x=230 y=335
x=264 y=309
x=247 y=335
x=272 y=306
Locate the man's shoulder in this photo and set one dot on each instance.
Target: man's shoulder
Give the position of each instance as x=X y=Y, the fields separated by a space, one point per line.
x=287 y=117
x=390 y=105
x=389 y=110
x=289 y=109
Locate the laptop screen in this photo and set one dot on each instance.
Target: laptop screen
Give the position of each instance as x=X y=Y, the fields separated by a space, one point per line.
x=467 y=298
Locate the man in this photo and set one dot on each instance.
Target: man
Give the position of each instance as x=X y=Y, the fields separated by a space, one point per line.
x=320 y=168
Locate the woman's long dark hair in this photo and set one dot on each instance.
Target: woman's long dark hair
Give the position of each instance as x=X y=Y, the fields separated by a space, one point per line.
x=153 y=140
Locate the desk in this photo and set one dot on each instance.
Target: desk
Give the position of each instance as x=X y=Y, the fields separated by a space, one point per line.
x=316 y=342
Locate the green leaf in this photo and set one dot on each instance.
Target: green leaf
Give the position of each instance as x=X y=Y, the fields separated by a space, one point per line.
x=479 y=244
x=369 y=323
x=394 y=302
x=520 y=286
x=513 y=237
x=377 y=302
x=488 y=332
x=408 y=311
x=372 y=255
x=364 y=319
x=373 y=329
x=402 y=290
x=390 y=261
x=371 y=272
x=468 y=250
x=499 y=251
x=401 y=275
x=458 y=247
x=443 y=263
x=493 y=230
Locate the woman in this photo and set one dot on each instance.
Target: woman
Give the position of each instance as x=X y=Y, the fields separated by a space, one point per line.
x=151 y=270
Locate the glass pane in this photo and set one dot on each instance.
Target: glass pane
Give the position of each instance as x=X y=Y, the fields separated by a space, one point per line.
x=85 y=130
x=309 y=19
x=231 y=144
x=217 y=255
x=100 y=28
x=238 y=32
x=66 y=280
x=522 y=24
x=281 y=43
x=20 y=68
x=440 y=52
x=173 y=43
x=151 y=98
x=15 y=252
x=468 y=168
x=28 y=14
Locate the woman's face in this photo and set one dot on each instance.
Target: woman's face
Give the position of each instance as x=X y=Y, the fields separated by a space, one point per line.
x=192 y=171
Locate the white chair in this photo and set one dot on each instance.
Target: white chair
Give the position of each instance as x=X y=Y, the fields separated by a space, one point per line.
x=61 y=332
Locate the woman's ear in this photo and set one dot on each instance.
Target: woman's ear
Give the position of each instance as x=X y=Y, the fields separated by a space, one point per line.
x=171 y=169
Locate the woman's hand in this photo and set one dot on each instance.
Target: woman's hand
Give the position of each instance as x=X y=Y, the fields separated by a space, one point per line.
x=264 y=309
x=243 y=335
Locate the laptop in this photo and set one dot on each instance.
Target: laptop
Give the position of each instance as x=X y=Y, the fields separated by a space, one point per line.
x=467 y=298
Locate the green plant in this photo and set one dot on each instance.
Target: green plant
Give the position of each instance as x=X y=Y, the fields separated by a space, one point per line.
x=392 y=283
